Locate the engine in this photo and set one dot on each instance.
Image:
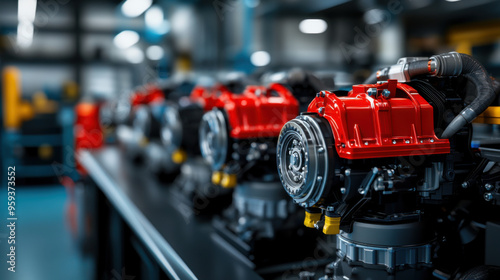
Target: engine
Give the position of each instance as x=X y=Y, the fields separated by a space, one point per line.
x=180 y=121
x=389 y=168
x=138 y=120
x=179 y=133
x=241 y=134
x=238 y=140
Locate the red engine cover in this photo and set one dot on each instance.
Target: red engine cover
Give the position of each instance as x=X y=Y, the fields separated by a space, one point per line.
x=88 y=132
x=364 y=126
x=148 y=94
x=259 y=111
x=208 y=97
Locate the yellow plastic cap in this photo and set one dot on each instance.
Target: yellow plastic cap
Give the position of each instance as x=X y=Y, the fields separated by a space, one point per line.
x=228 y=180
x=311 y=219
x=179 y=156
x=216 y=177
x=332 y=225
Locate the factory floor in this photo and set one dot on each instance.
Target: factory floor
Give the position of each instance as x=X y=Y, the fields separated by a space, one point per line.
x=45 y=248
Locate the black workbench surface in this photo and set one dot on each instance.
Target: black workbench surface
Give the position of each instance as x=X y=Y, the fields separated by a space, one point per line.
x=183 y=244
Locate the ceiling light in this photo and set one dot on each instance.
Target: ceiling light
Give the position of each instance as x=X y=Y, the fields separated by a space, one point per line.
x=135 y=8
x=260 y=58
x=25 y=31
x=313 y=26
x=134 y=55
x=154 y=17
x=26 y=10
x=154 y=52
x=126 y=39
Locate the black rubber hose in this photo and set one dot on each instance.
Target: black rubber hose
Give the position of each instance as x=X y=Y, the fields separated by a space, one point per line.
x=456 y=64
x=474 y=72
x=418 y=68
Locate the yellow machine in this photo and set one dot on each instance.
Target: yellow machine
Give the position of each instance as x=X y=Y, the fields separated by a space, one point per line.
x=15 y=110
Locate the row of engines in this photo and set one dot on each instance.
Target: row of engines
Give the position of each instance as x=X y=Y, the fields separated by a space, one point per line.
x=387 y=165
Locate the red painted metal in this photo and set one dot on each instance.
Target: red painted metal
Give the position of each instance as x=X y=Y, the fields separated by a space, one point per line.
x=148 y=94
x=375 y=126
x=210 y=97
x=259 y=111
x=88 y=132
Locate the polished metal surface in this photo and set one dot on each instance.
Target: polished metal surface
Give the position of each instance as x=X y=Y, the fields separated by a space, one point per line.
x=180 y=241
x=214 y=141
x=171 y=127
x=391 y=257
x=302 y=160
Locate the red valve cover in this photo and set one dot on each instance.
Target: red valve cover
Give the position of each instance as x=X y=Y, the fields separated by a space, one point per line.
x=259 y=111
x=147 y=95
x=208 y=97
x=375 y=126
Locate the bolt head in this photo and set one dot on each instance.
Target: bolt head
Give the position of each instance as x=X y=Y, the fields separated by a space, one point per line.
x=488 y=187
x=342 y=190
x=465 y=185
x=330 y=208
x=393 y=141
x=347 y=172
x=407 y=141
x=432 y=140
x=488 y=196
x=386 y=93
x=371 y=91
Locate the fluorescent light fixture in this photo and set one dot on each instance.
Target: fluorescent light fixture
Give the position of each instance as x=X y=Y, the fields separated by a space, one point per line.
x=126 y=39
x=26 y=10
x=25 y=31
x=313 y=26
x=154 y=52
x=260 y=58
x=155 y=21
x=452 y=0
x=154 y=17
x=135 y=8
x=134 y=55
